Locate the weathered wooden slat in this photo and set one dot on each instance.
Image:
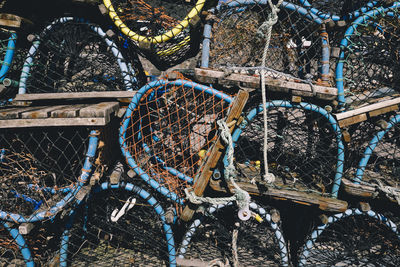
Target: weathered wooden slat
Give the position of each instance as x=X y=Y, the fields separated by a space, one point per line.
x=353 y=120
x=308 y=199
x=358 y=190
x=43 y=112
x=212 y=158
x=77 y=95
x=99 y=110
x=250 y=81
x=51 y=122
x=373 y=110
x=13 y=21
x=14 y=112
x=67 y=111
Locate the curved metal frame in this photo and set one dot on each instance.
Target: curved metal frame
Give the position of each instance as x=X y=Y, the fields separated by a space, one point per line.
x=8 y=57
x=253 y=206
x=71 y=192
x=305 y=106
x=337 y=217
x=136 y=190
x=126 y=120
x=126 y=70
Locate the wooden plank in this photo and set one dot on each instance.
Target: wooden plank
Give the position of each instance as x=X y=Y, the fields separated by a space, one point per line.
x=253 y=81
x=67 y=111
x=51 y=122
x=13 y=21
x=369 y=108
x=308 y=199
x=353 y=120
x=14 y=112
x=103 y=110
x=43 y=112
x=210 y=162
x=383 y=110
x=77 y=95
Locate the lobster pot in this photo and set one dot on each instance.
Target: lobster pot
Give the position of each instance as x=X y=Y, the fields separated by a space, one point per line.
x=239 y=35
x=41 y=169
x=167 y=130
x=381 y=159
x=220 y=238
x=304 y=153
x=367 y=70
x=123 y=226
x=166 y=32
x=73 y=55
x=353 y=238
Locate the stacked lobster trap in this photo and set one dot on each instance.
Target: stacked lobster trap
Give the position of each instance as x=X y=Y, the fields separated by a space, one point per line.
x=280 y=148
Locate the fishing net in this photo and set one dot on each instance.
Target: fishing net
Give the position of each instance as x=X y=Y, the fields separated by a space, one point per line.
x=239 y=34
x=167 y=130
x=305 y=151
x=367 y=70
x=39 y=169
x=353 y=238
x=165 y=30
x=108 y=231
x=380 y=163
x=11 y=245
x=220 y=238
x=72 y=55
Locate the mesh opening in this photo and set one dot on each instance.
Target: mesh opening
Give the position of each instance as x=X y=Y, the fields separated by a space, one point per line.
x=72 y=56
x=135 y=239
x=169 y=127
x=222 y=238
x=238 y=39
x=357 y=240
x=35 y=161
x=302 y=149
x=370 y=61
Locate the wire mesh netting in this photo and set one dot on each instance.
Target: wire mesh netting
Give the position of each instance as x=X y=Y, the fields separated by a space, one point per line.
x=220 y=238
x=118 y=227
x=380 y=161
x=239 y=34
x=11 y=246
x=353 y=238
x=38 y=168
x=305 y=151
x=165 y=128
x=72 y=55
x=367 y=70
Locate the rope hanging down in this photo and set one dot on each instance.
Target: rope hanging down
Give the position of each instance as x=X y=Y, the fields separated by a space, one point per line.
x=272 y=20
x=241 y=197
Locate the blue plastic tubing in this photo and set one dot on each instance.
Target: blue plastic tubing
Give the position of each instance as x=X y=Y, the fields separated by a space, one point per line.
x=205 y=54
x=23 y=247
x=8 y=57
x=305 y=106
x=137 y=191
x=370 y=149
x=345 y=43
x=126 y=121
x=85 y=174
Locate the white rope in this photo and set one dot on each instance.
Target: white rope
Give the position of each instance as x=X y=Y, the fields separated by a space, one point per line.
x=241 y=197
x=390 y=191
x=271 y=21
x=234 y=247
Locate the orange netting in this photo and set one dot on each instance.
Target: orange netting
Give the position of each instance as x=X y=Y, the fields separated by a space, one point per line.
x=173 y=127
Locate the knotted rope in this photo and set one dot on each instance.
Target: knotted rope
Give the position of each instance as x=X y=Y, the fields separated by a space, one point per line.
x=267 y=25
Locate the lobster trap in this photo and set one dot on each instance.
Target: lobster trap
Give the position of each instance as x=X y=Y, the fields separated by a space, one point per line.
x=43 y=169
x=118 y=225
x=305 y=151
x=353 y=238
x=236 y=34
x=73 y=55
x=167 y=130
x=367 y=69
x=221 y=238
